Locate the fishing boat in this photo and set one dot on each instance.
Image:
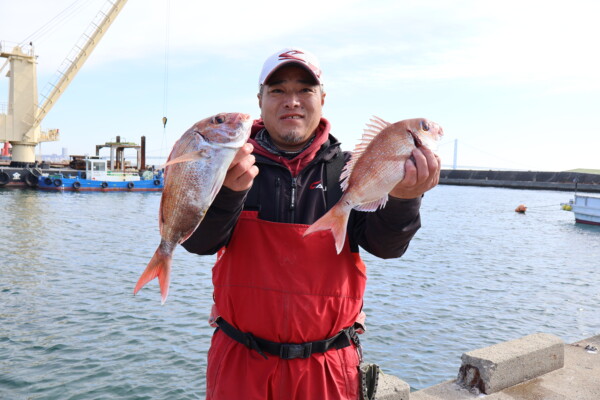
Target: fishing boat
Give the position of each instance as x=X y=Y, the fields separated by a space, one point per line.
x=585 y=208
x=97 y=177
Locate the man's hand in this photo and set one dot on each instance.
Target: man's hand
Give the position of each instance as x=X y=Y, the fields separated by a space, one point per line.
x=420 y=175
x=242 y=171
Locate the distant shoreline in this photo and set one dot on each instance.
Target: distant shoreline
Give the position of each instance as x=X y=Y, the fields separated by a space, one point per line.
x=542 y=180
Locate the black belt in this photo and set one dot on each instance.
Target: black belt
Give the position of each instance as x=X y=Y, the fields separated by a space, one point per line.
x=288 y=351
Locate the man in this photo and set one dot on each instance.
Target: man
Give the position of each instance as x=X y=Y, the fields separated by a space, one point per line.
x=286 y=305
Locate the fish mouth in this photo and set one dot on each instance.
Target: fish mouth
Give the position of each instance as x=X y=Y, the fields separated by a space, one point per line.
x=199 y=133
x=418 y=142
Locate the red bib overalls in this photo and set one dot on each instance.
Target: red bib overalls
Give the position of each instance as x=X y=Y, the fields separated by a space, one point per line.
x=279 y=286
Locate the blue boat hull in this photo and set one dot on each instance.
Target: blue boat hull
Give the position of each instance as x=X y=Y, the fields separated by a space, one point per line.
x=88 y=185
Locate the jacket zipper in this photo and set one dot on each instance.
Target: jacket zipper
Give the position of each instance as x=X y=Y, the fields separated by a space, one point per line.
x=293 y=200
x=294 y=186
x=277 y=195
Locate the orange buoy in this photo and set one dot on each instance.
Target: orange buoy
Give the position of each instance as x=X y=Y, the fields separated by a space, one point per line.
x=521 y=208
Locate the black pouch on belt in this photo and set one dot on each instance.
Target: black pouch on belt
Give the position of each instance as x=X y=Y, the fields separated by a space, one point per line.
x=369 y=378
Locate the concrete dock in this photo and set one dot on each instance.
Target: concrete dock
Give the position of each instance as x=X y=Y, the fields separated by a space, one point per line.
x=536 y=367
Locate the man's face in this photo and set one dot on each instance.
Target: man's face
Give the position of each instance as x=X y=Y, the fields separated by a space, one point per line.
x=291 y=104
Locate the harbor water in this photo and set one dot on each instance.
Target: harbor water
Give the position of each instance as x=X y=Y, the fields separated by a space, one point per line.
x=477 y=273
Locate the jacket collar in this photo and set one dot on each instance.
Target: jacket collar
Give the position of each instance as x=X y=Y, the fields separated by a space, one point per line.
x=296 y=164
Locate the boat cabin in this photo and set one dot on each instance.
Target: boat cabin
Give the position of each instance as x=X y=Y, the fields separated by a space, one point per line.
x=97 y=169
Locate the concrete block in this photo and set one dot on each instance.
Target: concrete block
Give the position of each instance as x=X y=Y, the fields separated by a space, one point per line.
x=502 y=365
x=391 y=387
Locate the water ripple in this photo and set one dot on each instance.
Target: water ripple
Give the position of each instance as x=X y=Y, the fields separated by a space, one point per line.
x=477 y=273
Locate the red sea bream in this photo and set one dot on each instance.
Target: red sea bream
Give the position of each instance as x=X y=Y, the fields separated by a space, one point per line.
x=194 y=175
x=376 y=166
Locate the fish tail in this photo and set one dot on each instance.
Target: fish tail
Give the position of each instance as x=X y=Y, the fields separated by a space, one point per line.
x=159 y=266
x=334 y=220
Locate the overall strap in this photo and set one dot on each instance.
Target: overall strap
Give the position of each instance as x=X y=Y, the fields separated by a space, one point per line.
x=288 y=351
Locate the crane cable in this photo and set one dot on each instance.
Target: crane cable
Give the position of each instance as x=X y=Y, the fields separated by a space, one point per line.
x=166 y=70
x=57 y=21
x=165 y=79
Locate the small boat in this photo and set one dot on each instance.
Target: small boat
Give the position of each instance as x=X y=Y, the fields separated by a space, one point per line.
x=97 y=177
x=585 y=208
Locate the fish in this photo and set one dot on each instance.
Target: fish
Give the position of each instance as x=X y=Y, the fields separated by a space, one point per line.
x=375 y=167
x=194 y=174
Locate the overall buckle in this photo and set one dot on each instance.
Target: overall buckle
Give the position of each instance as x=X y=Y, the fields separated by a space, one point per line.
x=289 y=351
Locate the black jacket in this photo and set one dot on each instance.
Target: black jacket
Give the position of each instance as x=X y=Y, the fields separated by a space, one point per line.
x=280 y=197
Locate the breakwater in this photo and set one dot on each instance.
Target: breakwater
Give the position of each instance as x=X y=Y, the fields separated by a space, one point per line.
x=537 y=366
x=543 y=180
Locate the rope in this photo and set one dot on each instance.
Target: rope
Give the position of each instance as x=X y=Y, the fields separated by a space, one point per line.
x=543 y=208
x=57 y=21
x=546 y=206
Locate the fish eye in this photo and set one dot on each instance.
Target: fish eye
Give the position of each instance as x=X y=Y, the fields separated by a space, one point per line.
x=219 y=119
x=424 y=125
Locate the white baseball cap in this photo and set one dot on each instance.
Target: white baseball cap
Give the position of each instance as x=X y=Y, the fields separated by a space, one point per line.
x=288 y=56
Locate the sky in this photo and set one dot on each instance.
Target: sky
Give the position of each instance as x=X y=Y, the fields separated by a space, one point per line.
x=514 y=84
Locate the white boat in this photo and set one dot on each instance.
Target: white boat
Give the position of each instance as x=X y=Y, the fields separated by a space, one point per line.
x=585 y=208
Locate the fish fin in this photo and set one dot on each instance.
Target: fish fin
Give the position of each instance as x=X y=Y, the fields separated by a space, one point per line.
x=378 y=123
x=334 y=220
x=217 y=184
x=373 y=128
x=187 y=157
x=159 y=266
x=373 y=205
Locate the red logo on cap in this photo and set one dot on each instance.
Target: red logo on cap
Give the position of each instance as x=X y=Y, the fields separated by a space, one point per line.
x=297 y=55
x=291 y=55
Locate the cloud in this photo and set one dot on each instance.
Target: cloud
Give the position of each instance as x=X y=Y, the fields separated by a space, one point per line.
x=511 y=42
x=472 y=64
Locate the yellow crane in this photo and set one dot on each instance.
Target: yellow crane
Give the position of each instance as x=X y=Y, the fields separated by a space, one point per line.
x=20 y=124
